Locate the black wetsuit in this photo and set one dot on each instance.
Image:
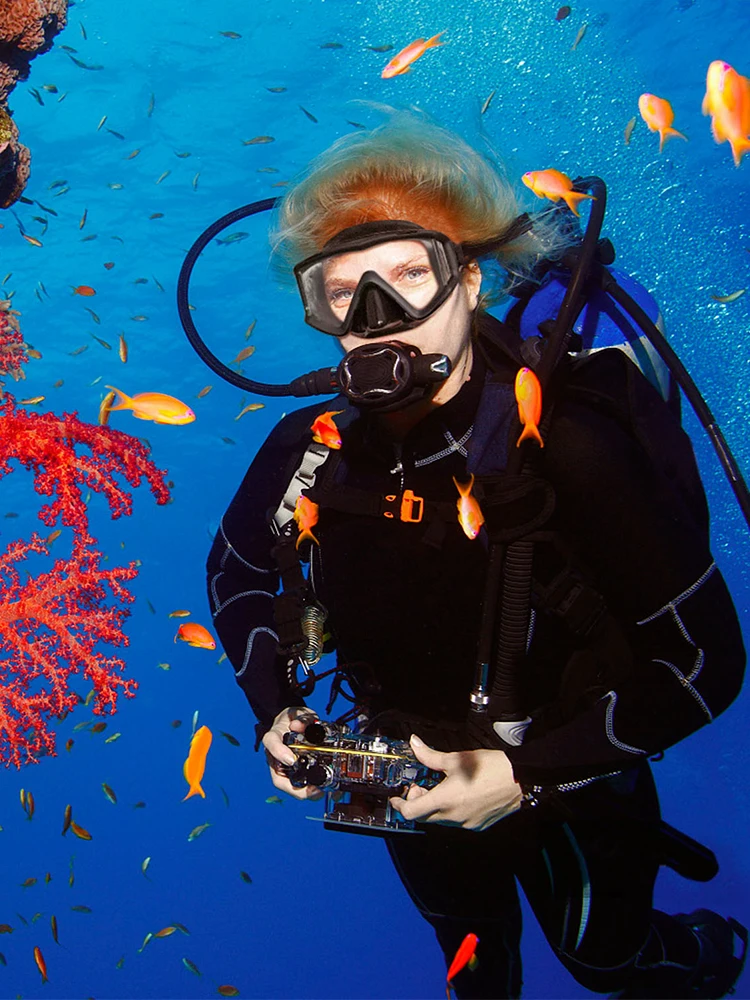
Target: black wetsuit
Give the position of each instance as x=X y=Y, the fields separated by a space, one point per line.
x=404 y=607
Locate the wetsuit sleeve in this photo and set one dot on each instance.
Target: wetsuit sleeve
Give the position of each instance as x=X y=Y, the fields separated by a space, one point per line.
x=243 y=579
x=648 y=548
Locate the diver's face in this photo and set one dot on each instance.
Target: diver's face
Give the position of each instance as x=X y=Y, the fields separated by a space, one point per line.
x=405 y=264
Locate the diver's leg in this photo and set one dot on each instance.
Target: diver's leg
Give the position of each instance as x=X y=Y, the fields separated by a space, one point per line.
x=593 y=898
x=459 y=884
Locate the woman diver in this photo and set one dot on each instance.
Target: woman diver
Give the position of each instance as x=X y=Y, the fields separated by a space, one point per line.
x=630 y=641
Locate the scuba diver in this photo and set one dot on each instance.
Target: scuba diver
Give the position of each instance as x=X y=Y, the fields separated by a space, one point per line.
x=514 y=569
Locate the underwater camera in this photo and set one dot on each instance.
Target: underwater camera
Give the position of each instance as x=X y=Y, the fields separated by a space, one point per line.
x=359 y=773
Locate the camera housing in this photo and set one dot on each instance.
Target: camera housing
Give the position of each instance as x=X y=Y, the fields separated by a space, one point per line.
x=359 y=772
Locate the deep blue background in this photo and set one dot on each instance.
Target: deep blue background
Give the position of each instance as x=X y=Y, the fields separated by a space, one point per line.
x=325 y=915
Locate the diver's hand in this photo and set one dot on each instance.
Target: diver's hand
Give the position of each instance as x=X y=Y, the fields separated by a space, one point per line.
x=279 y=755
x=478 y=789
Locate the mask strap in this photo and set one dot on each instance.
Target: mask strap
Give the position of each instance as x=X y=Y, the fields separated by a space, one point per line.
x=520 y=225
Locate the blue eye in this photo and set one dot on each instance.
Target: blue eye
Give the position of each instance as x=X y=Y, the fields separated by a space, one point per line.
x=338 y=295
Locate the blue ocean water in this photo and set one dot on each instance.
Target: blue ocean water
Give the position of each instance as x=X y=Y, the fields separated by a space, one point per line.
x=325 y=915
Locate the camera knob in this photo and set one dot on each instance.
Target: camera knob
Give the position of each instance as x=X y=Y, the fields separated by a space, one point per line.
x=315 y=733
x=317 y=774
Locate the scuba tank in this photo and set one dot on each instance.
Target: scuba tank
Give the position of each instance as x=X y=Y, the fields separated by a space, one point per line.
x=601 y=323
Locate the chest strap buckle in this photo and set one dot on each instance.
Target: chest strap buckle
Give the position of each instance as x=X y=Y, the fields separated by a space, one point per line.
x=411 y=509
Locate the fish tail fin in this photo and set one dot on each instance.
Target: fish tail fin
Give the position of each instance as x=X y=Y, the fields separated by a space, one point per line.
x=464 y=488
x=126 y=403
x=530 y=430
x=739 y=148
x=669 y=133
x=572 y=198
x=433 y=42
x=307 y=533
x=195 y=790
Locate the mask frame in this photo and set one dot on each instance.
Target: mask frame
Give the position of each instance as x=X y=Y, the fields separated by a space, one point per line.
x=377 y=309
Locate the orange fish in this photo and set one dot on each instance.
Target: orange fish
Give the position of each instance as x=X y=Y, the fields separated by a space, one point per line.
x=195 y=764
x=195 y=635
x=529 y=399
x=154 y=406
x=324 y=430
x=470 y=515
x=466 y=954
x=554 y=185
x=40 y=963
x=658 y=115
x=85 y=290
x=402 y=61
x=306 y=517
x=727 y=100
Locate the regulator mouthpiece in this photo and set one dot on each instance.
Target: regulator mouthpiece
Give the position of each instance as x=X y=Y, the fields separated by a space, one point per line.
x=390 y=376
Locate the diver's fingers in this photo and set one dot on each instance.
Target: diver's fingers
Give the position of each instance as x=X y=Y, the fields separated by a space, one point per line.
x=276 y=750
x=299 y=725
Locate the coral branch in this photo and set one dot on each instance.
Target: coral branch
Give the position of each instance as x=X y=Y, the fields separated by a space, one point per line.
x=51 y=625
x=50 y=628
x=12 y=347
x=46 y=444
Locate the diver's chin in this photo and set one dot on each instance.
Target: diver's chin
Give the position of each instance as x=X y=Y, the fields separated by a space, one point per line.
x=400 y=421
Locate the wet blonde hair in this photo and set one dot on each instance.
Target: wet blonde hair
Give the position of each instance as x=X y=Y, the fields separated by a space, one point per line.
x=410 y=168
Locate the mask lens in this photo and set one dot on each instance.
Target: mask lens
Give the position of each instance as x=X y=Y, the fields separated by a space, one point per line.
x=412 y=273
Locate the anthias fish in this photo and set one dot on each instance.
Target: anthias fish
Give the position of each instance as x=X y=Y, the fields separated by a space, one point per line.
x=727 y=101
x=657 y=113
x=402 y=60
x=156 y=406
x=195 y=635
x=195 y=764
x=470 y=515
x=324 y=430
x=529 y=399
x=554 y=184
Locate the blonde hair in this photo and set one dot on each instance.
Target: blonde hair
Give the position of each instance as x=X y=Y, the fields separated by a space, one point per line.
x=411 y=168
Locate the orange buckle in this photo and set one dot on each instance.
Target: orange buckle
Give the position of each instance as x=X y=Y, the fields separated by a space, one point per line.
x=408 y=502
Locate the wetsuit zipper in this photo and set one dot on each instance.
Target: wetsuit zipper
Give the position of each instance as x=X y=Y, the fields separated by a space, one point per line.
x=398 y=468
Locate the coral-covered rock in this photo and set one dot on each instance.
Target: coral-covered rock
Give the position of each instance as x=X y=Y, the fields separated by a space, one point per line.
x=31 y=25
x=27 y=28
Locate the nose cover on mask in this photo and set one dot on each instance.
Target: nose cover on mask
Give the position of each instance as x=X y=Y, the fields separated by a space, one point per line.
x=390 y=376
x=375 y=312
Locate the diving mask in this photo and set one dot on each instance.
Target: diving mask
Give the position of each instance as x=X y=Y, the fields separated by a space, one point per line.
x=380 y=278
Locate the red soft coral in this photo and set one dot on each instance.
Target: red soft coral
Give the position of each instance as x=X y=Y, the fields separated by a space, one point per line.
x=50 y=626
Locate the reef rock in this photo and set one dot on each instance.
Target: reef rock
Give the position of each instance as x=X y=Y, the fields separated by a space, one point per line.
x=27 y=28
